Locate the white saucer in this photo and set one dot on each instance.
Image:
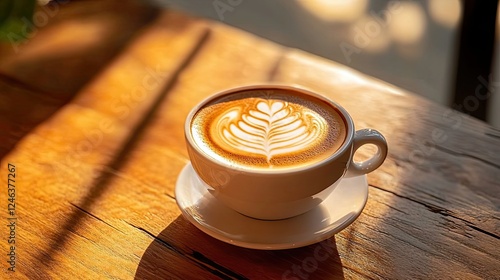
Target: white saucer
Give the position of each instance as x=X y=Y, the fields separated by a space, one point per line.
x=334 y=214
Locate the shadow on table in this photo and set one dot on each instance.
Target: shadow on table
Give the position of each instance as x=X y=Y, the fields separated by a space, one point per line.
x=40 y=75
x=227 y=261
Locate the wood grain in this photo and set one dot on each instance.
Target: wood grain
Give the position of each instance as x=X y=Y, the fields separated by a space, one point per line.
x=83 y=144
x=96 y=177
x=436 y=196
x=64 y=52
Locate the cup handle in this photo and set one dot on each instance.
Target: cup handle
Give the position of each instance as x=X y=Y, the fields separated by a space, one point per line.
x=362 y=137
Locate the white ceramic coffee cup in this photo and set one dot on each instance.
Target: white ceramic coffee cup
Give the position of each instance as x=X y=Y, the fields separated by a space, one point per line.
x=282 y=193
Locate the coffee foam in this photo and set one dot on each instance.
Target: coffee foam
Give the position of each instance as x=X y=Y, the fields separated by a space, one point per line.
x=268 y=129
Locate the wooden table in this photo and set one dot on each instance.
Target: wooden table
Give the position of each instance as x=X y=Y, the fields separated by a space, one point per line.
x=92 y=110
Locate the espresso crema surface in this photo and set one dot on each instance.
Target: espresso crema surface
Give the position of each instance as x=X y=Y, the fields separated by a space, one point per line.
x=268 y=129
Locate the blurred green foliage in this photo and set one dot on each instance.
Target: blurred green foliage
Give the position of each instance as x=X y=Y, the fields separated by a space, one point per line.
x=16 y=19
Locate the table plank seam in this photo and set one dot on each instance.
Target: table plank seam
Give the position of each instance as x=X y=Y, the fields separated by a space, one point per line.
x=439 y=210
x=496 y=136
x=472 y=226
x=460 y=154
x=14 y=82
x=94 y=216
x=196 y=257
x=431 y=207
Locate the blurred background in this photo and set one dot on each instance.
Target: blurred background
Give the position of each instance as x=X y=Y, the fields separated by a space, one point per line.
x=411 y=44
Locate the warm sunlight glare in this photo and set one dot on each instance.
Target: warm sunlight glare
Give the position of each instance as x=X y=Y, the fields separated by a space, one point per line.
x=375 y=35
x=43 y=2
x=335 y=10
x=445 y=12
x=408 y=25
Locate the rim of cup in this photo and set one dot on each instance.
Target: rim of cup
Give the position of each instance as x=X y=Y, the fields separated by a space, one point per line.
x=269 y=86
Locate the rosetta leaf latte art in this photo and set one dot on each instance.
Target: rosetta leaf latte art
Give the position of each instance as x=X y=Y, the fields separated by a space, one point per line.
x=269 y=128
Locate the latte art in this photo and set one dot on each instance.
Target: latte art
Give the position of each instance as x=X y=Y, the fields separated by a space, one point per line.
x=268 y=129
x=272 y=127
